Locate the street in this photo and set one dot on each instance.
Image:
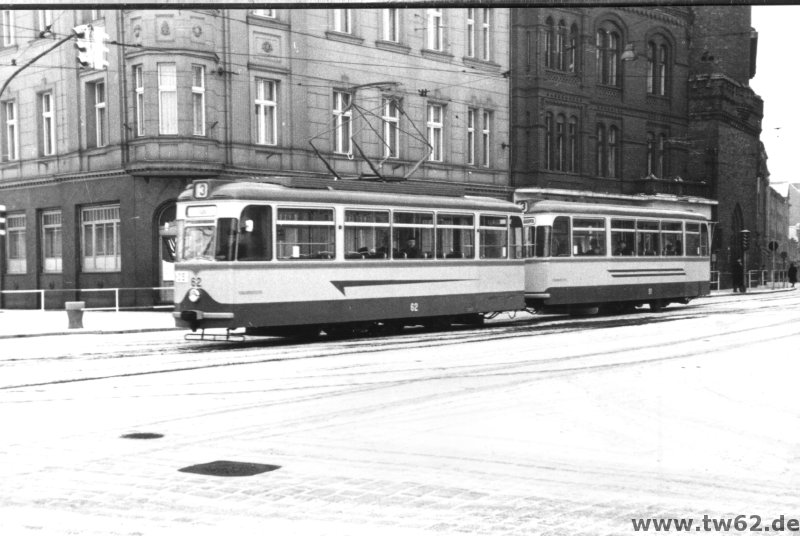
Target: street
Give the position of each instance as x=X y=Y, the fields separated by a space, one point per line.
x=528 y=426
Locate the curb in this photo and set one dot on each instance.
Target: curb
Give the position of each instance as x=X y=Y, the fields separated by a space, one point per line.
x=87 y=332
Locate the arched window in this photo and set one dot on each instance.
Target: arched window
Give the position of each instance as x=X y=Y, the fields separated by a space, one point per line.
x=613 y=151
x=572 y=144
x=608 y=53
x=549 y=38
x=657 y=67
x=572 y=55
x=561 y=38
x=600 y=152
x=548 y=140
x=561 y=146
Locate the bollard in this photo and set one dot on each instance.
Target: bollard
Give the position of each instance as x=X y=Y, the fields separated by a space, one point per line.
x=75 y=313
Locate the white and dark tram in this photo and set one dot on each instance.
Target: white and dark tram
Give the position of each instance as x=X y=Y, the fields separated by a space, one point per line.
x=279 y=260
x=613 y=258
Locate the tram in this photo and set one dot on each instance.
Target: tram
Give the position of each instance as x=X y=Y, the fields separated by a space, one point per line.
x=581 y=256
x=281 y=260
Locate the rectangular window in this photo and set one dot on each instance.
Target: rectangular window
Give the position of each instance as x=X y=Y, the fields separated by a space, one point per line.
x=342 y=123
x=435 y=126
x=486 y=148
x=391 y=25
x=342 y=21
x=391 y=128
x=588 y=236
x=48 y=124
x=412 y=235
x=100 y=247
x=51 y=241
x=493 y=236
x=11 y=131
x=647 y=238
x=198 y=100
x=623 y=237
x=471 y=137
x=486 y=35
x=15 y=249
x=44 y=19
x=96 y=125
x=696 y=239
x=138 y=102
x=455 y=235
x=471 y=32
x=559 y=246
x=266 y=112
x=167 y=99
x=8 y=28
x=268 y=13
x=255 y=234
x=435 y=40
x=671 y=238
x=366 y=234
x=305 y=233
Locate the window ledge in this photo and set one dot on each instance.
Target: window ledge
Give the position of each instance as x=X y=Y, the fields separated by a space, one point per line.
x=392 y=46
x=344 y=37
x=268 y=22
x=437 y=55
x=487 y=65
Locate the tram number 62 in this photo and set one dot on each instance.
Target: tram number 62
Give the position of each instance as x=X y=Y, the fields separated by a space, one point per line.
x=414 y=306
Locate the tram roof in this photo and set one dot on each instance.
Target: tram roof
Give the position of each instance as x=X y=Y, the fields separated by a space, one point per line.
x=598 y=209
x=262 y=191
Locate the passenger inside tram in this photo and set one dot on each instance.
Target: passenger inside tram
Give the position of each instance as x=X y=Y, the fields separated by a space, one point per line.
x=410 y=251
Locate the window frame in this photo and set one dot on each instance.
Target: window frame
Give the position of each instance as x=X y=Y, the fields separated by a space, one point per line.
x=390 y=117
x=391 y=25
x=138 y=103
x=16 y=244
x=48 y=126
x=9 y=35
x=435 y=131
x=167 y=111
x=471 y=115
x=342 y=122
x=266 y=110
x=198 y=99
x=106 y=262
x=435 y=33
x=486 y=142
x=470 y=23
x=486 y=34
x=11 y=131
x=343 y=20
x=52 y=234
x=313 y=255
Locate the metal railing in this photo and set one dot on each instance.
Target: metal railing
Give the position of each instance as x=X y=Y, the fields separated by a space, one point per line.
x=42 y=301
x=715 y=280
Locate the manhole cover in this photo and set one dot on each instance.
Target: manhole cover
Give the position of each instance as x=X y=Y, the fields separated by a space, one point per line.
x=226 y=468
x=142 y=435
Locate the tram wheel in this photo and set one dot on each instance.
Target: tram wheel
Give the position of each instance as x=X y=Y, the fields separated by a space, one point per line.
x=657 y=305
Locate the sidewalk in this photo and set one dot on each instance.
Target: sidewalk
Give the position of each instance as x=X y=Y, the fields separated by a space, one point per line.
x=33 y=323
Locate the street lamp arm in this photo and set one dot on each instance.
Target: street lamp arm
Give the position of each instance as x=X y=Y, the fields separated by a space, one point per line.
x=15 y=73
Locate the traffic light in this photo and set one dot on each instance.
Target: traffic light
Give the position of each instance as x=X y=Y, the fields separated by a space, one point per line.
x=745 y=236
x=2 y=220
x=85 y=44
x=100 y=50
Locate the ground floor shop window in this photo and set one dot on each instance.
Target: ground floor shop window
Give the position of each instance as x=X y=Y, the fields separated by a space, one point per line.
x=100 y=239
x=51 y=241
x=17 y=263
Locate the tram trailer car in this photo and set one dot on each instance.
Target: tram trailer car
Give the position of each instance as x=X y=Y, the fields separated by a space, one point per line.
x=280 y=260
x=583 y=256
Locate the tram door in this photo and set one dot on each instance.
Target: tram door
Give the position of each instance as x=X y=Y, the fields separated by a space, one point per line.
x=167 y=235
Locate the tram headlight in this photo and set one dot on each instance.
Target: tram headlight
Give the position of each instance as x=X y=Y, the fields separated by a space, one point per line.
x=194 y=295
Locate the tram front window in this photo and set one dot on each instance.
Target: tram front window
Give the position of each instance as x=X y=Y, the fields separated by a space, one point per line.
x=198 y=243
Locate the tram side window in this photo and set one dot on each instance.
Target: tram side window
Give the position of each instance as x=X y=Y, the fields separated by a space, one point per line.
x=623 y=237
x=255 y=234
x=696 y=240
x=455 y=236
x=530 y=241
x=588 y=236
x=366 y=234
x=226 y=239
x=671 y=236
x=305 y=233
x=412 y=235
x=560 y=239
x=493 y=237
x=543 y=241
x=197 y=241
x=516 y=238
x=647 y=238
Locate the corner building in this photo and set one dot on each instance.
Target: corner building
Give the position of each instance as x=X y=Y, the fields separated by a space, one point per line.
x=93 y=160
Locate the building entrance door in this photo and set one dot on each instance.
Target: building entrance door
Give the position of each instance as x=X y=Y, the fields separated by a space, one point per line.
x=167 y=235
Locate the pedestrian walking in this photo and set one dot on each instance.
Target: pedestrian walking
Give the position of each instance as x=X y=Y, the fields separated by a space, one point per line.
x=737 y=271
x=792 y=274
